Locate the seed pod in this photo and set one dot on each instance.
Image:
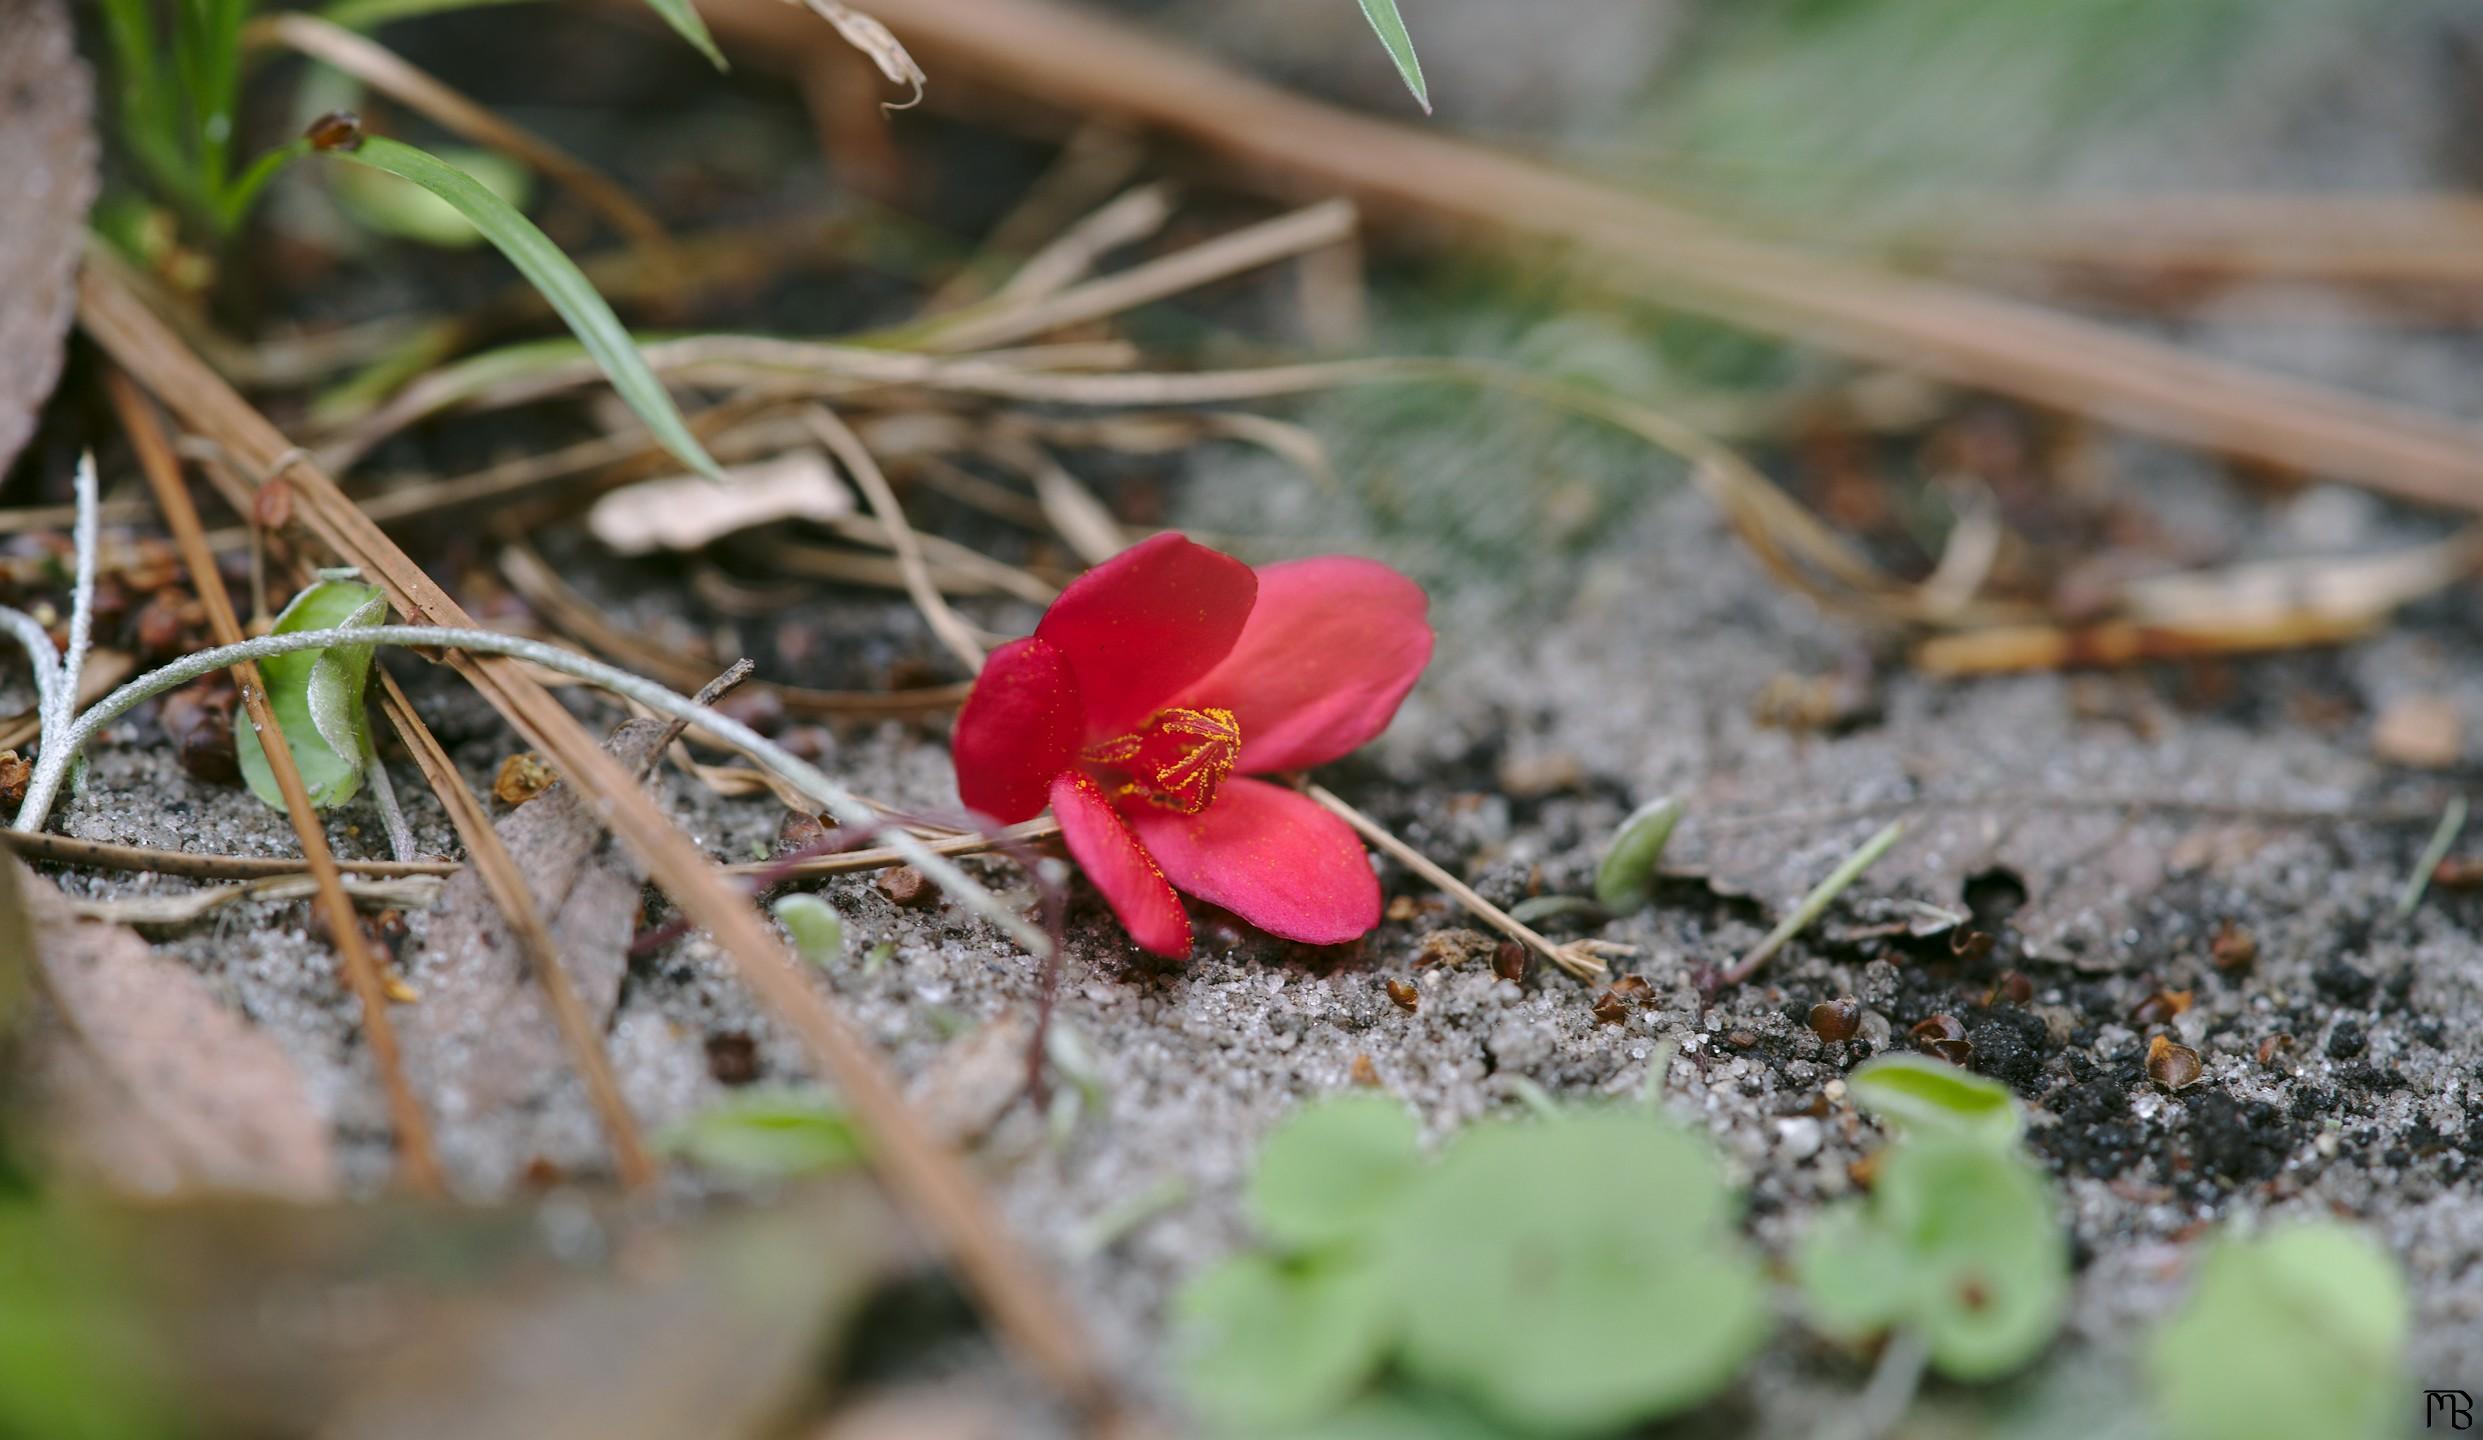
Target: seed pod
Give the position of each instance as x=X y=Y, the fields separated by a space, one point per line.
x=908 y=888
x=2233 y=948
x=1510 y=960
x=1838 y=1020
x=2012 y=986
x=2172 y=1066
x=1943 y=1036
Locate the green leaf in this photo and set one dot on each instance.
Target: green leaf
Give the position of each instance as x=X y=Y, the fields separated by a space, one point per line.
x=396 y=207
x=683 y=18
x=1391 y=28
x=1918 y=1095
x=1334 y=1170
x=767 y=1135
x=2298 y=1334
x=818 y=934
x=1577 y=1274
x=317 y=696
x=1959 y=1240
x=559 y=281
x=1624 y=882
x=1269 y=1345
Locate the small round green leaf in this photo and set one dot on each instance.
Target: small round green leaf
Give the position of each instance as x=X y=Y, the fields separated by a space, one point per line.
x=1334 y=1169
x=818 y=934
x=1986 y=1256
x=1624 y=882
x=1918 y=1095
x=1576 y=1274
x=1268 y=1345
x=2298 y=1334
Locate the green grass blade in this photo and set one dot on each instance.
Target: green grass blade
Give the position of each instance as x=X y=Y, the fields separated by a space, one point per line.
x=370 y=14
x=559 y=281
x=1391 y=27
x=683 y=19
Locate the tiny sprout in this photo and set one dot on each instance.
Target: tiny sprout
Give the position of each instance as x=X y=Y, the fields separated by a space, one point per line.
x=1625 y=880
x=1838 y=1020
x=2175 y=1067
x=336 y=130
x=818 y=934
x=1917 y=1095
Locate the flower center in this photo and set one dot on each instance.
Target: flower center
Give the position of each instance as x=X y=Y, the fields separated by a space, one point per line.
x=1176 y=760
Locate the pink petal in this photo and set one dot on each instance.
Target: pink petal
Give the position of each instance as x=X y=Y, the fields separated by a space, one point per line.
x=1270 y=856
x=1112 y=857
x=1331 y=648
x=1021 y=725
x=1145 y=623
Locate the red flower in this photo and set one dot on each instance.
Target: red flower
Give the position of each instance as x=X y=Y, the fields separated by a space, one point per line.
x=1152 y=679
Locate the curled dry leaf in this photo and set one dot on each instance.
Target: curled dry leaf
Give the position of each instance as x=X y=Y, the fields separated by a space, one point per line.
x=47 y=179
x=686 y=512
x=877 y=43
x=144 y=1081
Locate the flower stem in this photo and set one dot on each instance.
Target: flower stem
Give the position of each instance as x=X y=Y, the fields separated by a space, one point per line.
x=1584 y=967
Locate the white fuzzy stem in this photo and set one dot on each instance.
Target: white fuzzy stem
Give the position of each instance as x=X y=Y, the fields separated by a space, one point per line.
x=52 y=767
x=82 y=599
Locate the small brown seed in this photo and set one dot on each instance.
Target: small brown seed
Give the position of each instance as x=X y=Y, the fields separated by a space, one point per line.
x=1402 y=908
x=1510 y=960
x=1407 y=997
x=2233 y=948
x=14 y=775
x=522 y=777
x=2459 y=872
x=1837 y=1021
x=1362 y=1072
x=2172 y=1066
x=733 y=1058
x=1969 y=944
x=2012 y=986
x=800 y=830
x=336 y=130
x=198 y=720
x=1959 y=1053
x=908 y=888
x=1741 y=1039
x=1610 y=1008
x=1937 y=1028
x=2276 y=1049
x=2160 y=1007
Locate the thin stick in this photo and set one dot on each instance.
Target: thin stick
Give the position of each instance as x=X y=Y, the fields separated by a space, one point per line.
x=1584 y=967
x=1327 y=223
x=163 y=472
x=146 y=860
x=1814 y=904
x=2452 y=820
x=391 y=814
x=851 y=453
x=82 y=602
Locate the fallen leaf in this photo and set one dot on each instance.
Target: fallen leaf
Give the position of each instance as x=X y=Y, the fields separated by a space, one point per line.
x=47 y=179
x=687 y=512
x=879 y=44
x=145 y=1082
x=482 y=1048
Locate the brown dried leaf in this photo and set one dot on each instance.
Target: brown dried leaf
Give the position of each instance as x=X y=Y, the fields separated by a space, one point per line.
x=146 y=1082
x=47 y=179
x=483 y=1048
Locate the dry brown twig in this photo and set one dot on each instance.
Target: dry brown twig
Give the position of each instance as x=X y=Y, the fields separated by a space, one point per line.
x=362 y=973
